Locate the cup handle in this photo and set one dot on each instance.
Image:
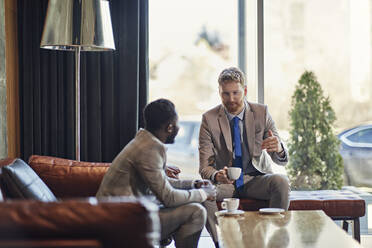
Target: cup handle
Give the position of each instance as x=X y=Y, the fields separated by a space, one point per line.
x=223 y=205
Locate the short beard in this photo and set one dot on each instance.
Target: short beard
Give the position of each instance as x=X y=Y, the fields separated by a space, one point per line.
x=236 y=108
x=171 y=138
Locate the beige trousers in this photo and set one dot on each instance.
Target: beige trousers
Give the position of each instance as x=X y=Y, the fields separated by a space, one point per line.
x=183 y=223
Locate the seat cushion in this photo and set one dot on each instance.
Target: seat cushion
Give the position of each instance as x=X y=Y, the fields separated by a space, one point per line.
x=335 y=203
x=22 y=182
x=249 y=204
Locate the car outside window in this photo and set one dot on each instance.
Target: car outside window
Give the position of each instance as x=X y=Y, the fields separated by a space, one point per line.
x=363 y=136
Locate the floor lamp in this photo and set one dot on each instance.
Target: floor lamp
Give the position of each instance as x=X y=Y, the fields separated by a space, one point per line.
x=78 y=25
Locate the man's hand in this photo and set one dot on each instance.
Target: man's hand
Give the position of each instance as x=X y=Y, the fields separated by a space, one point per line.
x=203 y=184
x=221 y=177
x=172 y=171
x=271 y=143
x=211 y=192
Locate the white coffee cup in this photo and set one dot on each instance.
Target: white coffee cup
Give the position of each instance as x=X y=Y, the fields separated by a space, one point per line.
x=233 y=173
x=230 y=204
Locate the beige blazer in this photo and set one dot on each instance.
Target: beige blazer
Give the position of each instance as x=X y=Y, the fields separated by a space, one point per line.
x=138 y=170
x=215 y=140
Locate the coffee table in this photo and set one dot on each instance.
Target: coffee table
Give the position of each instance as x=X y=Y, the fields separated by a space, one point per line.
x=302 y=228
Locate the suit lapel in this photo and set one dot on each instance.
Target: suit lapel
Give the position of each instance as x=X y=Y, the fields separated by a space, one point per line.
x=250 y=129
x=225 y=128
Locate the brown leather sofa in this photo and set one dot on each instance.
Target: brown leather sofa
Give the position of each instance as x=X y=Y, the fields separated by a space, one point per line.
x=84 y=179
x=72 y=179
x=60 y=210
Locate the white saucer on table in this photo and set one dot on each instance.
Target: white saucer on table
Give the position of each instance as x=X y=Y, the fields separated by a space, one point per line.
x=235 y=212
x=271 y=210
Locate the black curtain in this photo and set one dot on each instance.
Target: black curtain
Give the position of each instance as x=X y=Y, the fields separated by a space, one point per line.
x=113 y=90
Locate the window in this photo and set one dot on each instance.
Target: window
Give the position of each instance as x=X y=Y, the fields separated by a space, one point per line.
x=331 y=38
x=190 y=43
x=185 y=133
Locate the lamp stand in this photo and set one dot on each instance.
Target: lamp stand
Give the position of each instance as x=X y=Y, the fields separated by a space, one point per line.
x=77 y=103
x=83 y=25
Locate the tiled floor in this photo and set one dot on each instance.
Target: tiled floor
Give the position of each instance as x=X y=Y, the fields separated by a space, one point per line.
x=206 y=242
x=366 y=241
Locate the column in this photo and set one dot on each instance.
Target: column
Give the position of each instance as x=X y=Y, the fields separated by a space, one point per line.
x=3 y=114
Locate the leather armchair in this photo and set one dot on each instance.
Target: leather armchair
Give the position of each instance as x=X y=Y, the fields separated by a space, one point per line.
x=81 y=221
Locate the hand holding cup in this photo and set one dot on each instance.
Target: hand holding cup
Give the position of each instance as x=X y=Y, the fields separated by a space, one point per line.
x=222 y=177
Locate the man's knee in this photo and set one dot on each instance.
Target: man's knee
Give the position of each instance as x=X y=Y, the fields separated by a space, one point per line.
x=280 y=183
x=280 y=190
x=198 y=213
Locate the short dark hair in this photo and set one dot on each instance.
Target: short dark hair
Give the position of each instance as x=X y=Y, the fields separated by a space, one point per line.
x=158 y=113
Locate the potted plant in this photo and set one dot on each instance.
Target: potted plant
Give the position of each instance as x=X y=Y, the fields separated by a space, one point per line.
x=315 y=161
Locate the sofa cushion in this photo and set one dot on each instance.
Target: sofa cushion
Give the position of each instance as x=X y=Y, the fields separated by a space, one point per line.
x=22 y=182
x=69 y=178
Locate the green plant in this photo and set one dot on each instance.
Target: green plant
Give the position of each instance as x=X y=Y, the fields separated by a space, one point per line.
x=315 y=161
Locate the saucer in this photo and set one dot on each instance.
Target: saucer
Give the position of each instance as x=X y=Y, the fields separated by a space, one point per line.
x=236 y=212
x=271 y=210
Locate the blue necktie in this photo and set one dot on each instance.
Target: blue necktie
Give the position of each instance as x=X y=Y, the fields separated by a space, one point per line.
x=238 y=152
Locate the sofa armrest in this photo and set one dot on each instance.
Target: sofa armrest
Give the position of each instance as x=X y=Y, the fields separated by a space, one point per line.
x=114 y=222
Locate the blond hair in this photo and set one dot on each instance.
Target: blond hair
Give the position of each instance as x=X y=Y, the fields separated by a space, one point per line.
x=232 y=74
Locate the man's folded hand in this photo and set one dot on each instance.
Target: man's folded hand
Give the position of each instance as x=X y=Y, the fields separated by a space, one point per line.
x=211 y=192
x=203 y=184
x=172 y=171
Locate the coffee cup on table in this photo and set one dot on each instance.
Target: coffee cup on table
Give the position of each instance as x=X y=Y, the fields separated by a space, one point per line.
x=230 y=204
x=233 y=173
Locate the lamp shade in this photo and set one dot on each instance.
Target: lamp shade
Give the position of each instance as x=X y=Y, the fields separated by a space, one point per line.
x=78 y=23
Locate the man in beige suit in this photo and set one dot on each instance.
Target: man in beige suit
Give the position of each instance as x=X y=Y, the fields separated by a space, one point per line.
x=139 y=170
x=241 y=134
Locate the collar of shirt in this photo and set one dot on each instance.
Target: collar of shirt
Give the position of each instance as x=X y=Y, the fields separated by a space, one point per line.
x=240 y=115
x=143 y=131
